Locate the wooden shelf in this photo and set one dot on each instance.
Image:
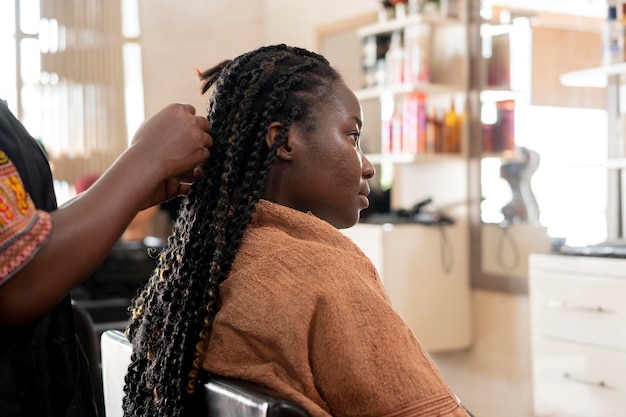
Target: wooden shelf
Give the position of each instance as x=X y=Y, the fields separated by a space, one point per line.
x=493 y=94
x=592 y=77
x=503 y=157
x=377 y=92
x=613 y=163
x=393 y=158
x=489 y=29
x=409 y=158
x=392 y=25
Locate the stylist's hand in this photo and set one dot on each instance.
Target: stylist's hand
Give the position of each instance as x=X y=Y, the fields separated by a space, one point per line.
x=171 y=147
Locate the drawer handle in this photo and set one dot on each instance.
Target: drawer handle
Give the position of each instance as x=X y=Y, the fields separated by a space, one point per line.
x=579 y=307
x=599 y=384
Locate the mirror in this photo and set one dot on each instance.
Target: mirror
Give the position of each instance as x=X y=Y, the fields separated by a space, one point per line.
x=540 y=140
x=535 y=145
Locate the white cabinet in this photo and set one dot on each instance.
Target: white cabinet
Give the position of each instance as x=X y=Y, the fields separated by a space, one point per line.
x=425 y=272
x=578 y=327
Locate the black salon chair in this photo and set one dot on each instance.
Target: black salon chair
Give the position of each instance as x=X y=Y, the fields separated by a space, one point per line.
x=87 y=336
x=223 y=397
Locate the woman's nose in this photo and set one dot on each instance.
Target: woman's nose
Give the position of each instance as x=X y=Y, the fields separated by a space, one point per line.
x=368 y=169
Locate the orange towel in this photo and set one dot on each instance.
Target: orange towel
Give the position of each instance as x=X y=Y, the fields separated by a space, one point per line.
x=304 y=313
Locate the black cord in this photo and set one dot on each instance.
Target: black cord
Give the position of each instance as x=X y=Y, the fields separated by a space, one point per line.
x=505 y=236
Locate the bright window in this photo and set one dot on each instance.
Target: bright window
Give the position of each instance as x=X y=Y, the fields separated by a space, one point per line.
x=73 y=77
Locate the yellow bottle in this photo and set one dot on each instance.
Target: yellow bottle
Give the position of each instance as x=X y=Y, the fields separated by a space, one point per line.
x=452 y=130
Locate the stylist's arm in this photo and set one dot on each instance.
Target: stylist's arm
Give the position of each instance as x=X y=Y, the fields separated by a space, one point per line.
x=165 y=155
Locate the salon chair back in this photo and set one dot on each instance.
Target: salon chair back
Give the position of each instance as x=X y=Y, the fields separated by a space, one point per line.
x=223 y=397
x=87 y=336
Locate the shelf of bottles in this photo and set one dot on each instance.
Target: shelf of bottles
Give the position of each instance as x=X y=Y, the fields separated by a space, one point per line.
x=497 y=98
x=593 y=77
x=419 y=118
x=610 y=73
x=613 y=44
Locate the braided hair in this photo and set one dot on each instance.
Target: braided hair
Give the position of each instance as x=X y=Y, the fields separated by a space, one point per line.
x=173 y=315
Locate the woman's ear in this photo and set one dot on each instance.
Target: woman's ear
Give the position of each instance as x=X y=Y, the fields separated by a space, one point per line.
x=273 y=133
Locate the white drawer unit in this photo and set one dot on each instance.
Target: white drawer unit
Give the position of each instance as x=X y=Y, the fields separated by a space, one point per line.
x=577 y=380
x=578 y=327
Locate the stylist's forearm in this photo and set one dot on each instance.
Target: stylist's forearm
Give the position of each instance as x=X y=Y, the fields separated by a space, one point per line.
x=84 y=231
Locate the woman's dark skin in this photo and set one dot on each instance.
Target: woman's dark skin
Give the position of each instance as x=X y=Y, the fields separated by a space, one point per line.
x=329 y=162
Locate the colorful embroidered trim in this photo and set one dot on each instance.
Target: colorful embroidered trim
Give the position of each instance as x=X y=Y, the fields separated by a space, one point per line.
x=23 y=228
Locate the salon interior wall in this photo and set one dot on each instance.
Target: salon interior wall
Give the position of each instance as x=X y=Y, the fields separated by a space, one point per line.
x=493 y=376
x=179 y=37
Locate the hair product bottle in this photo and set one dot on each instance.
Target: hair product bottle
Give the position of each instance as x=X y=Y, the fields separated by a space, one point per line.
x=395 y=60
x=416 y=39
x=370 y=60
x=452 y=130
x=422 y=123
x=623 y=29
x=612 y=38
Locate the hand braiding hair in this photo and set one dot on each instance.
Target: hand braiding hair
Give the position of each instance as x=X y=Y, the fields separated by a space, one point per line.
x=172 y=316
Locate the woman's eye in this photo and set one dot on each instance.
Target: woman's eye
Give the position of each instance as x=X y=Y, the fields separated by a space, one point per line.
x=355 y=137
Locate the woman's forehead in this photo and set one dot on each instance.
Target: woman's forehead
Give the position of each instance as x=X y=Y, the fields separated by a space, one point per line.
x=340 y=98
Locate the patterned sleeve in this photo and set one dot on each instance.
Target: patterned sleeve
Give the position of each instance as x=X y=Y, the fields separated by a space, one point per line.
x=23 y=228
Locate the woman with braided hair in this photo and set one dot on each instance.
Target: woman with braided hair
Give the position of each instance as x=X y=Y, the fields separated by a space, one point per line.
x=256 y=282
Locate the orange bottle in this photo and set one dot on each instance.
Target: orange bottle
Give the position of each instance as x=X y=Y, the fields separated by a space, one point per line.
x=452 y=130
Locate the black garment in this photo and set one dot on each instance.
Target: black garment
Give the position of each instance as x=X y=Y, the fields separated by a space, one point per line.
x=43 y=371
x=123 y=273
